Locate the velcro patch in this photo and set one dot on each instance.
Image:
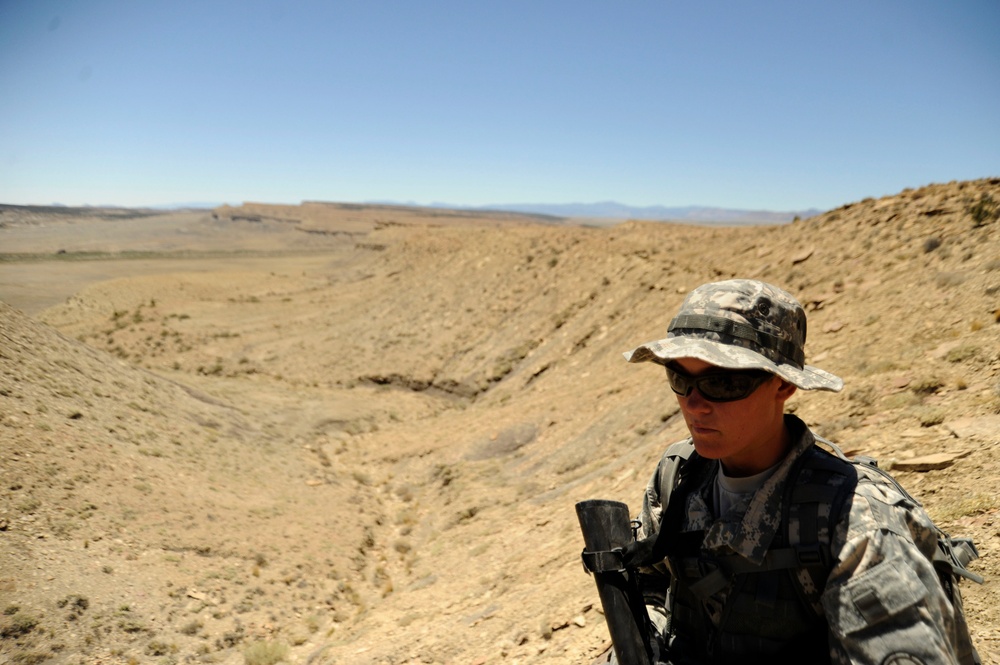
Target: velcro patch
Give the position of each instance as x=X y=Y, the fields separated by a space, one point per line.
x=880 y=592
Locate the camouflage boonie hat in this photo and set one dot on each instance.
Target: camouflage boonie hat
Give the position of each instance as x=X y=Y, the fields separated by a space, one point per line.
x=741 y=324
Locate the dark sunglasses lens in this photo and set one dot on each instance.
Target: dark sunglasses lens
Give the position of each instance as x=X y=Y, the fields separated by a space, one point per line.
x=727 y=387
x=678 y=382
x=720 y=387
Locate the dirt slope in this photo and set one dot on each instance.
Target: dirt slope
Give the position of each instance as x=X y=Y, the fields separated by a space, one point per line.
x=369 y=451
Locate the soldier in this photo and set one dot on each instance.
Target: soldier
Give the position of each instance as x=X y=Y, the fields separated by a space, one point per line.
x=760 y=545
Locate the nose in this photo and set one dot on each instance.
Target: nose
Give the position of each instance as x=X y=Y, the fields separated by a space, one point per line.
x=694 y=402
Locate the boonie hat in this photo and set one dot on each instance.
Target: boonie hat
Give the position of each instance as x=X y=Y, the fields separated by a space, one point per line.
x=741 y=324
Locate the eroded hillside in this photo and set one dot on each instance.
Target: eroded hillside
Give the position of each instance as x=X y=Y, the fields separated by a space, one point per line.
x=371 y=453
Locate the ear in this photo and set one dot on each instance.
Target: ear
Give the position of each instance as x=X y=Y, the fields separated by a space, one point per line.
x=785 y=390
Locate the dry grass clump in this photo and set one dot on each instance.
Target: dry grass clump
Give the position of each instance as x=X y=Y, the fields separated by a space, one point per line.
x=927 y=385
x=929 y=416
x=192 y=627
x=970 y=506
x=265 y=653
x=962 y=353
x=983 y=211
x=18 y=624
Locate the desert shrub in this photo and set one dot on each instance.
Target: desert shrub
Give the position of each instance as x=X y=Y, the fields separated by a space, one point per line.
x=214 y=370
x=864 y=396
x=131 y=625
x=29 y=505
x=927 y=385
x=31 y=657
x=966 y=506
x=74 y=602
x=19 y=624
x=191 y=627
x=158 y=648
x=929 y=417
x=983 y=211
x=265 y=653
x=962 y=353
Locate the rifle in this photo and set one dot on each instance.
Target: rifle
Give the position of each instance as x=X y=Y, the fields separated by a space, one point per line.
x=607 y=529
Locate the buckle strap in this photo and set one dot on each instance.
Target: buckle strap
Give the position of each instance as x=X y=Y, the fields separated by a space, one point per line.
x=956 y=553
x=802 y=556
x=607 y=561
x=709 y=585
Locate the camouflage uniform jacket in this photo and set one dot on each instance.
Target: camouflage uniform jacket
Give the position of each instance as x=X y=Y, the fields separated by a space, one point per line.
x=882 y=600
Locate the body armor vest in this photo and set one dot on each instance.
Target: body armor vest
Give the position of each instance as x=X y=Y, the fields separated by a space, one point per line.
x=728 y=609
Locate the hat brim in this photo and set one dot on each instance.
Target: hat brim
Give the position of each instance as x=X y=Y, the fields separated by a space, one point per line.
x=732 y=357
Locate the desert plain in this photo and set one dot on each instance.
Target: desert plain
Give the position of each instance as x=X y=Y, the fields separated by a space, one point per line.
x=330 y=433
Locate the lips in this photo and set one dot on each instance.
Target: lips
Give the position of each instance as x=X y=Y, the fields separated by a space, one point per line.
x=700 y=429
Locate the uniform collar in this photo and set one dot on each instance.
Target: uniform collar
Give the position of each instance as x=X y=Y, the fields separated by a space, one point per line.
x=751 y=538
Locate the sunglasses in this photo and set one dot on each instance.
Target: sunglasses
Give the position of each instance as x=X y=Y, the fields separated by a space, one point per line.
x=723 y=386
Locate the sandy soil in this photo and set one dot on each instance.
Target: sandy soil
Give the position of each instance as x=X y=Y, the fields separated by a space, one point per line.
x=343 y=434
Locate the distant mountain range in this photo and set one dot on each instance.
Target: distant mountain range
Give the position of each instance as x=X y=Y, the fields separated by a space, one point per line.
x=601 y=210
x=614 y=210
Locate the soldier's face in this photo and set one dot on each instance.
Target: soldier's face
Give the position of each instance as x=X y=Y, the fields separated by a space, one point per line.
x=747 y=435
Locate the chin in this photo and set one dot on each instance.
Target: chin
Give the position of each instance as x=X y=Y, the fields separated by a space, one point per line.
x=705 y=449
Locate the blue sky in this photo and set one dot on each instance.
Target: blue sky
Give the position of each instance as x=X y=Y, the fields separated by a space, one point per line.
x=778 y=105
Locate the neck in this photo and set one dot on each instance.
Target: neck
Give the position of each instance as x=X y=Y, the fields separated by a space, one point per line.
x=768 y=453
